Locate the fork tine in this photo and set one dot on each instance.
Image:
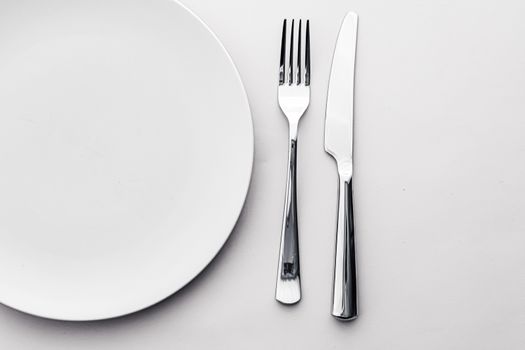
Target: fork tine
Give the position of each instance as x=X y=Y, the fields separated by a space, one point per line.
x=307 y=55
x=299 y=54
x=283 y=55
x=290 y=68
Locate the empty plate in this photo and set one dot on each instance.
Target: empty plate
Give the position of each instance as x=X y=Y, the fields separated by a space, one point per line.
x=126 y=150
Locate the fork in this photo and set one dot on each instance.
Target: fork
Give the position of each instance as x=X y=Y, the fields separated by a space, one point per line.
x=294 y=98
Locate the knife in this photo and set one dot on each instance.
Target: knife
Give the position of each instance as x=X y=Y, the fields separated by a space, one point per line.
x=338 y=143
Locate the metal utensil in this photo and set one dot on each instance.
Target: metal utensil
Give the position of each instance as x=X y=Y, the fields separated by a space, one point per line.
x=294 y=98
x=338 y=143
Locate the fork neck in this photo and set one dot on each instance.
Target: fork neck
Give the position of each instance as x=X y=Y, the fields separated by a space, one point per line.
x=292 y=130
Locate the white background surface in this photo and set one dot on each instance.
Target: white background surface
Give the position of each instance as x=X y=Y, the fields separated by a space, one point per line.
x=439 y=192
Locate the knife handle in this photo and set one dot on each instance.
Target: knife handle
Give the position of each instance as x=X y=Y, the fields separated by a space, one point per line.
x=344 y=305
x=288 y=288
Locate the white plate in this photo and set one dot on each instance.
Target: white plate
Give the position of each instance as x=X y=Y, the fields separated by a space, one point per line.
x=126 y=149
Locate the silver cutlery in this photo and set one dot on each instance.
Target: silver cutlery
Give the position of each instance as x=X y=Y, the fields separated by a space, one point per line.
x=338 y=143
x=294 y=98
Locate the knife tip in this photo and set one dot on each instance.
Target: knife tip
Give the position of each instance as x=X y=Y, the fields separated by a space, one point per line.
x=351 y=14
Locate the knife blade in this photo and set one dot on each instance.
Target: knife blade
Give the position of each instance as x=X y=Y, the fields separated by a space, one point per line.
x=340 y=103
x=338 y=143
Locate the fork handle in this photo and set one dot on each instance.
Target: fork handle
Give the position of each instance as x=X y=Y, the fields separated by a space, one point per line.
x=288 y=288
x=345 y=280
